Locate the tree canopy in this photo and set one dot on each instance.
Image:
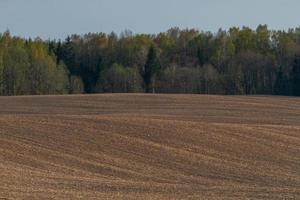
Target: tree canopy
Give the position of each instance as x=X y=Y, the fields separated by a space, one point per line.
x=237 y=61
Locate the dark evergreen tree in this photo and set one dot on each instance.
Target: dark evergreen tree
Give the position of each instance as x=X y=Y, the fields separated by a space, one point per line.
x=58 y=52
x=296 y=76
x=68 y=55
x=150 y=70
x=281 y=84
x=200 y=56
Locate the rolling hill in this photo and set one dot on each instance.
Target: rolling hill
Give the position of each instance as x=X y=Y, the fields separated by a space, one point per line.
x=139 y=146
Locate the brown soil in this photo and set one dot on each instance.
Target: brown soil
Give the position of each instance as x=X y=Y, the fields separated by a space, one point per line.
x=136 y=146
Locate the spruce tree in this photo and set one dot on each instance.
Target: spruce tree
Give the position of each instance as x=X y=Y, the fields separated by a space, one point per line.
x=296 y=76
x=280 y=84
x=151 y=69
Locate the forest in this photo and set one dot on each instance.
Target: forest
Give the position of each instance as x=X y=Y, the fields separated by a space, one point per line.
x=238 y=61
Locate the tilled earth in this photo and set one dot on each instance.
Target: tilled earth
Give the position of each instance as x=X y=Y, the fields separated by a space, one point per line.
x=138 y=146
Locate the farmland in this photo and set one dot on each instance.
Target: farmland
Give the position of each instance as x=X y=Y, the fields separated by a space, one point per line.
x=139 y=146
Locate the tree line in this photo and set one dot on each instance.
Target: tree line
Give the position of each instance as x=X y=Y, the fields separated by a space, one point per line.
x=234 y=61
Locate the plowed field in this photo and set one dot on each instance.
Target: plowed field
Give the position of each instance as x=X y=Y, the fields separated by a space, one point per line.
x=136 y=146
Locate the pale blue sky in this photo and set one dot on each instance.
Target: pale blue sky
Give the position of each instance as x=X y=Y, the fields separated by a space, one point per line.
x=58 y=18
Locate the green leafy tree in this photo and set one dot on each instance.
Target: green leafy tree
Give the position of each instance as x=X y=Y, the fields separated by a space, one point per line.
x=76 y=85
x=119 y=79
